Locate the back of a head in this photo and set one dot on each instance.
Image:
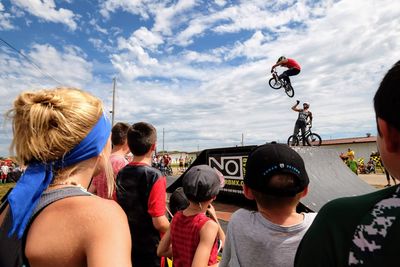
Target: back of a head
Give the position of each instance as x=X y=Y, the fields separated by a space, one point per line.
x=141 y=137
x=178 y=201
x=201 y=183
x=387 y=97
x=276 y=170
x=119 y=133
x=49 y=123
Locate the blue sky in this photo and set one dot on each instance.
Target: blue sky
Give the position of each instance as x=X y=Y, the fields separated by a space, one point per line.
x=199 y=69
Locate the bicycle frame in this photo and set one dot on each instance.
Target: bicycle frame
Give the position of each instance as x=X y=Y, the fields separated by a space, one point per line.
x=306 y=134
x=276 y=77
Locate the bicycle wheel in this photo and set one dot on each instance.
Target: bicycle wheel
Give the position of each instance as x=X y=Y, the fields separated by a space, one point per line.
x=169 y=171
x=274 y=84
x=293 y=141
x=314 y=139
x=289 y=90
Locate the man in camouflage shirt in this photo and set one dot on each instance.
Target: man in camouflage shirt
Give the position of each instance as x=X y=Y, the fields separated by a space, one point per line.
x=363 y=230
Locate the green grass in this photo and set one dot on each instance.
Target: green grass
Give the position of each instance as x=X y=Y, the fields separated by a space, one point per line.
x=4 y=188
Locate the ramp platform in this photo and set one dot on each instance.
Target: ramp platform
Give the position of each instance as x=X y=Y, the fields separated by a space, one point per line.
x=329 y=177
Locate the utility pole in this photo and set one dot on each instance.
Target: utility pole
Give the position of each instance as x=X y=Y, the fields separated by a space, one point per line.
x=163 y=133
x=113 y=102
x=242 y=139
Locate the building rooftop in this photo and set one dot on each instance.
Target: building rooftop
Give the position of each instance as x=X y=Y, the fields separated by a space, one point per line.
x=365 y=139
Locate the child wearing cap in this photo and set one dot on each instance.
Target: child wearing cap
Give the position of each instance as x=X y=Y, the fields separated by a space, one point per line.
x=192 y=237
x=276 y=179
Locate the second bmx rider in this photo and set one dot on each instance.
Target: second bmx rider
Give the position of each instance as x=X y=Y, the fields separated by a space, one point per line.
x=305 y=117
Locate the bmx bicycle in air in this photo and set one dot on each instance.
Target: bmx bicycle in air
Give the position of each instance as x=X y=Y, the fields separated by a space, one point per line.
x=276 y=83
x=312 y=139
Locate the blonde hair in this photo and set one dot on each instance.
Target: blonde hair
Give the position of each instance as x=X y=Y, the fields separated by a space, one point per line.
x=49 y=123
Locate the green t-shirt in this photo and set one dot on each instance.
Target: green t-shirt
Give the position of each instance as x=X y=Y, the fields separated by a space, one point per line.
x=328 y=240
x=352 y=165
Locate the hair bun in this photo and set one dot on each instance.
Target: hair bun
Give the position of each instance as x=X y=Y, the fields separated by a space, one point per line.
x=47 y=99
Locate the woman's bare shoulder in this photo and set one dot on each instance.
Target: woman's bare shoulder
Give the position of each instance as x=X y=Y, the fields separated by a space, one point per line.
x=81 y=211
x=94 y=209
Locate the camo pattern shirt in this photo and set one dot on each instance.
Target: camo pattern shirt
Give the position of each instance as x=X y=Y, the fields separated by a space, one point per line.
x=370 y=234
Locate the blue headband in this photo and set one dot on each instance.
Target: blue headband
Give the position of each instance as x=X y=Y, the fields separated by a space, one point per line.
x=26 y=194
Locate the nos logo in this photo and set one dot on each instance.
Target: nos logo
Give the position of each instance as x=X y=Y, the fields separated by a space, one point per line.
x=231 y=167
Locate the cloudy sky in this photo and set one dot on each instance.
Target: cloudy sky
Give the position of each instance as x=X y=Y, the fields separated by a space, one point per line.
x=198 y=69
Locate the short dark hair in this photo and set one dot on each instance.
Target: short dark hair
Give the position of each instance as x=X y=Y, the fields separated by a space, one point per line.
x=178 y=201
x=279 y=182
x=141 y=136
x=387 y=97
x=119 y=133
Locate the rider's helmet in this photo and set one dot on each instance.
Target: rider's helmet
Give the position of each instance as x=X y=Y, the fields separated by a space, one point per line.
x=281 y=58
x=306 y=105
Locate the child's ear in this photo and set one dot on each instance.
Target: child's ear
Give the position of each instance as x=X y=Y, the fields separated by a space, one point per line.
x=304 y=192
x=247 y=192
x=153 y=147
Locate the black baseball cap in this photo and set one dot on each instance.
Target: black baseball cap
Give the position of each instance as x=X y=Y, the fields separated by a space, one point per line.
x=267 y=160
x=201 y=183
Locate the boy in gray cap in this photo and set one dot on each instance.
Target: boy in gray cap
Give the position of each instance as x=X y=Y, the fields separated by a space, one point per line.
x=192 y=234
x=276 y=179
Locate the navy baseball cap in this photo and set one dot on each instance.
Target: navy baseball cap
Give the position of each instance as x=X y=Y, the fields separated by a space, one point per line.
x=267 y=160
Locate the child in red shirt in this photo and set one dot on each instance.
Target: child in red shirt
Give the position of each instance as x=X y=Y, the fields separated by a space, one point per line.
x=192 y=238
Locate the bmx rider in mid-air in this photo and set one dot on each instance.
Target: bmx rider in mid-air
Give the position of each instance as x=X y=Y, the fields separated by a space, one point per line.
x=292 y=65
x=305 y=117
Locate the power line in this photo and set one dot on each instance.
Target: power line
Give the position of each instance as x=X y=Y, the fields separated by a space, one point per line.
x=30 y=61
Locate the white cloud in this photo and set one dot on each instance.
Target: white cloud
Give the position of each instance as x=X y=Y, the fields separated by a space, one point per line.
x=94 y=23
x=5 y=19
x=164 y=13
x=165 y=17
x=69 y=66
x=196 y=27
x=250 y=48
x=220 y=2
x=100 y=45
x=47 y=11
x=146 y=38
x=133 y=6
x=195 y=57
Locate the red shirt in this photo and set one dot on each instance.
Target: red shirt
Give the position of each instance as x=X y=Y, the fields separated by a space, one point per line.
x=185 y=237
x=100 y=181
x=291 y=63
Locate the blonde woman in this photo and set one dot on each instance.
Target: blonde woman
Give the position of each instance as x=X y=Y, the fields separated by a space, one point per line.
x=49 y=218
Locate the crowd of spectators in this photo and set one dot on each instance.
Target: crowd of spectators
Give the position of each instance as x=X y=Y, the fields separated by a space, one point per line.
x=9 y=172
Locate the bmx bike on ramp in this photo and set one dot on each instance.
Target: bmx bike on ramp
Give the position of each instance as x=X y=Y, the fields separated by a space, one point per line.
x=329 y=177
